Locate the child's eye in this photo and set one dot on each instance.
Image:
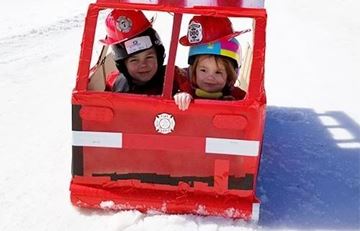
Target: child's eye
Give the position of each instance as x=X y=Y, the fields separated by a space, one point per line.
x=202 y=70
x=132 y=60
x=151 y=57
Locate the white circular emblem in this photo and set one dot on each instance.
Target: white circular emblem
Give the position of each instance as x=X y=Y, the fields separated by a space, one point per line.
x=164 y=123
x=194 y=32
x=123 y=24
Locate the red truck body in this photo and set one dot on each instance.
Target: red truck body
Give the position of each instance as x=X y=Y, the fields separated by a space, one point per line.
x=141 y=152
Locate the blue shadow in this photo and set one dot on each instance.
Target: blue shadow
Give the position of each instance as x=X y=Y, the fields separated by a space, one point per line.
x=309 y=178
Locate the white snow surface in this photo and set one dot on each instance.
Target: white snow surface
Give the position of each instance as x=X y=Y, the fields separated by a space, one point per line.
x=310 y=169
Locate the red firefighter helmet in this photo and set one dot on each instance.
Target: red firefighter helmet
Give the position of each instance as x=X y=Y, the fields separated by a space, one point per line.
x=122 y=25
x=207 y=29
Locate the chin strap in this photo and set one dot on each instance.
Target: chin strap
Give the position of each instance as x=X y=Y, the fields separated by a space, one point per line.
x=208 y=95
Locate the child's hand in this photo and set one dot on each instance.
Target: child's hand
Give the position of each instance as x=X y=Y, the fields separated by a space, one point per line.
x=183 y=100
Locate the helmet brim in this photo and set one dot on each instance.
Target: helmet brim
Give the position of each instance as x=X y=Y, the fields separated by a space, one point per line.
x=108 y=41
x=185 y=42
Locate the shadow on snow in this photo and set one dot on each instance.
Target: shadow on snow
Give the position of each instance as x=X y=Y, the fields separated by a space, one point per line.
x=310 y=170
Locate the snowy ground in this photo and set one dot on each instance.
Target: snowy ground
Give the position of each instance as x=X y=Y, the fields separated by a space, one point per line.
x=310 y=170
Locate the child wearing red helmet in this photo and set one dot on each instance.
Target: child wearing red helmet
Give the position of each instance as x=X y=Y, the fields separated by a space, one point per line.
x=138 y=53
x=214 y=59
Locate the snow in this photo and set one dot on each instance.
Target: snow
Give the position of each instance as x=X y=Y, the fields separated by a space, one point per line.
x=310 y=168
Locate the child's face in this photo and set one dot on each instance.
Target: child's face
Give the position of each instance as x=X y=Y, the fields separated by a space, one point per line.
x=142 y=66
x=210 y=76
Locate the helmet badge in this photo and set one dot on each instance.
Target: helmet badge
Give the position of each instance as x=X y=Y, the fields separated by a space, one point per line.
x=123 y=24
x=164 y=123
x=195 y=32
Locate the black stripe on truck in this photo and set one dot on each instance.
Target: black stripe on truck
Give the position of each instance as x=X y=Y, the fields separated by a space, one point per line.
x=240 y=183
x=77 y=163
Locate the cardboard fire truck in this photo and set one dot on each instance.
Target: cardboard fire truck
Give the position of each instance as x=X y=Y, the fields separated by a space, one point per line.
x=140 y=152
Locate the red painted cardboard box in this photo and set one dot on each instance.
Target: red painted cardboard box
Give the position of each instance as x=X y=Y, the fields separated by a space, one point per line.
x=141 y=152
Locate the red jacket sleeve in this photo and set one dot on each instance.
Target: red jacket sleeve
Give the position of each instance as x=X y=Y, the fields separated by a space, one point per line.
x=181 y=81
x=238 y=93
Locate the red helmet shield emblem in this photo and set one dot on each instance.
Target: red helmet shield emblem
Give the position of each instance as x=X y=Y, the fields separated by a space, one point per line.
x=123 y=24
x=195 y=32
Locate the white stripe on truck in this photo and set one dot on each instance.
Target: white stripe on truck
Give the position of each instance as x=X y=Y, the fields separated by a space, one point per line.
x=232 y=146
x=212 y=145
x=97 y=139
